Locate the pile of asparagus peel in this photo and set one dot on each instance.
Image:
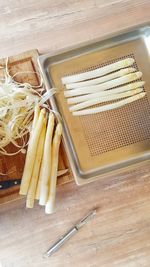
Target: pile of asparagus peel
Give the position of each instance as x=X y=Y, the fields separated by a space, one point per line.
x=41 y=164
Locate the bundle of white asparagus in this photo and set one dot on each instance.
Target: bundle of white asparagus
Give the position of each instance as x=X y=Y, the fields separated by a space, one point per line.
x=117 y=81
x=41 y=164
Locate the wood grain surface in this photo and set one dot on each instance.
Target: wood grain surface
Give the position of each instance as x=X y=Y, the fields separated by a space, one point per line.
x=119 y=236
x=50 y=24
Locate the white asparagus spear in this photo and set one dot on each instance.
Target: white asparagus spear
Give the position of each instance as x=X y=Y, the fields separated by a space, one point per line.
x=37 y=194
x=31 y=154
x=118 y=90
x=78 y=99
x=59 y=173
x=35 y=120
x=99 y=100
x=104 y=94
x=104 y=86
x=36 y=170
x=36 y=116
x=55 y=154
x=98 y=72
x=102 y=79
x=109 y=106
x=46 y=161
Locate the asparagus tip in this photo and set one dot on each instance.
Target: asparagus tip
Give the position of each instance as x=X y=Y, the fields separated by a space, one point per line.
x=131 y=69
x=49 y=209
x=43 y=111
x=59 y=129
x=138 y=74
x=128 y=61
x=141 y=95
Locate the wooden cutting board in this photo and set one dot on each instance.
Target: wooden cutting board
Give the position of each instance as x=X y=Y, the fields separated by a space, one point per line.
x=12 y=166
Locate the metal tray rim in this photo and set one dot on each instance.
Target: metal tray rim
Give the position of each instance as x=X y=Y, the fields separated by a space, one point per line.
x=79 y=177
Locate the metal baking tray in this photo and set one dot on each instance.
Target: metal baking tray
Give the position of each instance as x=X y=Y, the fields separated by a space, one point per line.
x=109 y=142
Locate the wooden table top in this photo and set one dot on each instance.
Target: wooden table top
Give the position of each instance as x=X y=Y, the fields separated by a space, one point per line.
x=119 y=235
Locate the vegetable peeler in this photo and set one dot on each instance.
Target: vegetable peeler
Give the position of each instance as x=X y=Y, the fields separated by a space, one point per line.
x=70 y=233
